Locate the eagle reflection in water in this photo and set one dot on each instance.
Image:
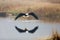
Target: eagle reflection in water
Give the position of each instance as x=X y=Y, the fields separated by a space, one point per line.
x=25 y=30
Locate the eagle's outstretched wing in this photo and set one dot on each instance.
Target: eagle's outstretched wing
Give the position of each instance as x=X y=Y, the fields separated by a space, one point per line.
x=34 y=15
x=19 y=15
x=33 y=30
x=20 y=30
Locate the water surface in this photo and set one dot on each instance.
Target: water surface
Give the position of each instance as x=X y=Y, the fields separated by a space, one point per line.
x=8 y=31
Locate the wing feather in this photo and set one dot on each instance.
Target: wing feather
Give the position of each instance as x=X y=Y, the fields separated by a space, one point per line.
x=19 y=30
x=34 y=15
x=19 y=15
x=33 y=30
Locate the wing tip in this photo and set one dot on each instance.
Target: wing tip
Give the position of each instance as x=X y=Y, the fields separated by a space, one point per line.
x=34 y=15
x=16 y=27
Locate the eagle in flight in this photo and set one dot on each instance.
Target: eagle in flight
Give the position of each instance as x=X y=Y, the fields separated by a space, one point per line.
x=27 y=14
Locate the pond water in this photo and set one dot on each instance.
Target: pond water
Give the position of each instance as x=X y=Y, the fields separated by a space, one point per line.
x=8 y=31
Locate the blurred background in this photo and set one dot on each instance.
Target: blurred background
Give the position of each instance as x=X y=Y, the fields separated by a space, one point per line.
x=48 y=12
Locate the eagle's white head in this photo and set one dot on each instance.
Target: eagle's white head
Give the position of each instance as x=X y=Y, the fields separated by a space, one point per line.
x=26 y=31
x=27 y=14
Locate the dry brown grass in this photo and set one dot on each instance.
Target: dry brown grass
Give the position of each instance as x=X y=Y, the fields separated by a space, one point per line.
x=54 y=36
x=48 y=10
x=42 y=9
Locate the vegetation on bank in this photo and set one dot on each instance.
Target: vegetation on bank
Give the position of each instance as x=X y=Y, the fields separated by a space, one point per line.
x=49 y=11
x=55 y=36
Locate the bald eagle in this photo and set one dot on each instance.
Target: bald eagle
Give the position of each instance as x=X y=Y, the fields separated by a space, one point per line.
x=27 y=14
